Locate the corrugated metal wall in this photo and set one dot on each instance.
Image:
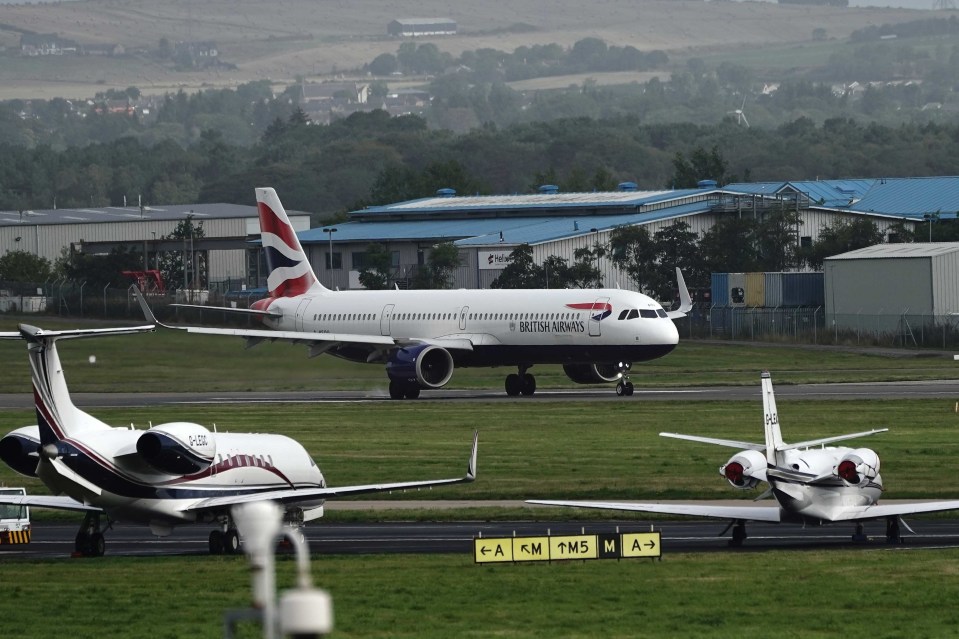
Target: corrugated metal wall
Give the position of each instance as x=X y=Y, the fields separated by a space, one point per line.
x=878 y=286
x=945 y=283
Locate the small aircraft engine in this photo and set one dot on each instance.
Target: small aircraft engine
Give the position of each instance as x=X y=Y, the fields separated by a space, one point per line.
x=858 y=467
x=178 y=448
x=20 y=450
x=742 y=467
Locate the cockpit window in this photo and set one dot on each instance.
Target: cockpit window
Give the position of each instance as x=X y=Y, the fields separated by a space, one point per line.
x=648 y=313
x=661 y=312
x=633 y=314
x=622 y=314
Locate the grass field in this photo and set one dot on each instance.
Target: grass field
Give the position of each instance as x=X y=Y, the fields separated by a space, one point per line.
x=880 y=594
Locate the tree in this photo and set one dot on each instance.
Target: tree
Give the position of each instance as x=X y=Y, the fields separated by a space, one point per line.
x=440 y=267
x=701 y=165
x=633 y=250
x=185 y=268
x=377 y=269
x=384 y=64
x=521 y=272
x=776 y=243
x=730 y=246
x=100 y=270
x=22 y=266
x=677 y=246
x=841 y=237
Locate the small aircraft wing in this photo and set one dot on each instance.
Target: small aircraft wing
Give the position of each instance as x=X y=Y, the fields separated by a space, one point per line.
x=691 y=509
x=896 y=510
x=830 y=440
x=685 y=301
x=315 y=494
x=47 y=501
x=729 y=443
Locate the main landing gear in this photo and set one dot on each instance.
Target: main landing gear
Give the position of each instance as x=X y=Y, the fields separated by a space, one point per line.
x=893 y=534
x=399 y=390
x=739 y=534
x=89 y=541
x=225 y=540
x=521 y=383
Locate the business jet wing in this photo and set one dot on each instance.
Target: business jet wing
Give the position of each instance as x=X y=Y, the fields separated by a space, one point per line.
x=47 y=501
x=690 y=509
x=313 y=494
x=896 y=510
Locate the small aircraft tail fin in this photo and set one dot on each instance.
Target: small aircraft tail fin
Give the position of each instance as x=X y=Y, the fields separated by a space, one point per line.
x=57 y=417
x=774 y=437
x=290 y=273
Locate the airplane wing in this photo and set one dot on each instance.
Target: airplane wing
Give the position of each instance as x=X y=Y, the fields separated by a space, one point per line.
x=896 y=510
x=315 y=494
x=830 y=440
x=691 y=509
x=47 y=501
x=230 y=309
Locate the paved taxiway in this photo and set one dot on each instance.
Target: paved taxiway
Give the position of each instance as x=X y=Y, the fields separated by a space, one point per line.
x=55 y=540
x=944 y=389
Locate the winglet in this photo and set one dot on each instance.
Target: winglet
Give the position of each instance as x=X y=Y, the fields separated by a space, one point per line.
x=147 y=311
x=685 y=301
x=471 y=467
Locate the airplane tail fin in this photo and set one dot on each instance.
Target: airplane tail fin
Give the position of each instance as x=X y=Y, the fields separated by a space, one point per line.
x=774 y=438
x=57 y=417
x=290 y=273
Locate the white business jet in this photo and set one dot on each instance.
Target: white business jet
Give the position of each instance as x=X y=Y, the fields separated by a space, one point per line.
x=422 y=335
x=813 y=484
x=171 y=474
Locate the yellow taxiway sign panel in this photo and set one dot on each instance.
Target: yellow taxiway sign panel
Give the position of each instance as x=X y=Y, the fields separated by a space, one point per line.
x=641 y=545
x=490 y=550
x=574 y=547
x=530 y=548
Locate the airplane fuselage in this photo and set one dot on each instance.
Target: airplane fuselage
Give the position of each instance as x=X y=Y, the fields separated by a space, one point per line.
x=505 y=327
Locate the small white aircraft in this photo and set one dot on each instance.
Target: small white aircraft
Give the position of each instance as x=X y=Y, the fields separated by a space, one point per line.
x=171 y=474
x=813 y=484
x=422 y=335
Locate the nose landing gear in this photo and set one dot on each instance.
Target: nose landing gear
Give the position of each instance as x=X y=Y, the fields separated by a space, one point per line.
x=624 y=386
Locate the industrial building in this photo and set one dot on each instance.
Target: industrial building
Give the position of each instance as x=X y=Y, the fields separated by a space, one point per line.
x=421 y=27
x=488 y=228
x=227 y=229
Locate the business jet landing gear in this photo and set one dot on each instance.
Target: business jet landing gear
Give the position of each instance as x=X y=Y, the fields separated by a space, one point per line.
x=624 y=386
x=739 y=533
x=522 y=383
x=226 y=540
x=403 y=391
x=893 y=534
x=89 y=541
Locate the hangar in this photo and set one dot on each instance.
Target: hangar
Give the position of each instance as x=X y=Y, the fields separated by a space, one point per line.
x=488 y=228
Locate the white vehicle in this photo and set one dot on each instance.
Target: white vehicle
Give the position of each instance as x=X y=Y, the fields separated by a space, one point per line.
x=171 y=474
x=813 y=484
x=422 y=335
x=14 y=520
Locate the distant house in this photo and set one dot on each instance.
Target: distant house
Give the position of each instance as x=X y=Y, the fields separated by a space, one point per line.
x=421 y=27
x=104 y=49
x=205 y=50
x=32 y=44
x=327 y=92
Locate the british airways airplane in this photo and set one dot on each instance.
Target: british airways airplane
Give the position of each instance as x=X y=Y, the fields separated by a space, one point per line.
x=422 y=335
x=168 y=475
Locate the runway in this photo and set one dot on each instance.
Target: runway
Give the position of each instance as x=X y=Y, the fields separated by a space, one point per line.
x=55 y=540
x=942 y=389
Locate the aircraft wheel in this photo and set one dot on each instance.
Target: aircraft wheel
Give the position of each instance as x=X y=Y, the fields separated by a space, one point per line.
x=514 y=385
x=739 y=535
x=217 y=542
x=97 y=545
x=628 y=388
x=620 y=389
x=231 y=542
x=412 y=392
x=81 y=542
x=529 y=385
x=397 y=391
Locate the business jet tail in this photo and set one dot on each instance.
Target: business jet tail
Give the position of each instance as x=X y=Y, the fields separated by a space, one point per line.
x=290 y=273
x=57 y=417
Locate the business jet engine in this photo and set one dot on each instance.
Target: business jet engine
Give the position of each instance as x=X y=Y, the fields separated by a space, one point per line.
x=20 y=450
x=178 y=448
x=594 y=373
x=745 y=469
x=420 y=366
x=858 y=467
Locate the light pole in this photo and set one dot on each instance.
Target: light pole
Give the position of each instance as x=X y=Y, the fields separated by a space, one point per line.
x=930 y=217
x=329 y=259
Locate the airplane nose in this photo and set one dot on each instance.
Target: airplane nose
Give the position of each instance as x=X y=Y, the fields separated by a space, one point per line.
x=670 y=332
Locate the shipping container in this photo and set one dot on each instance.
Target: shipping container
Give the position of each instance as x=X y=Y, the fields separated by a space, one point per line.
x=773 y=297
x=737 y=289
x=803 y=289
x=720 y=286
x=755 y=289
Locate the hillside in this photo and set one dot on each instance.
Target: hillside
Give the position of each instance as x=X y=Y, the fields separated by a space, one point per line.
x=284 y=39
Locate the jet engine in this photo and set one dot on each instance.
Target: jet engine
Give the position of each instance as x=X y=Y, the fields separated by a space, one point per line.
x=594 y=373
x=745 y=469
x=422 y=366
x=858 y=467
x=20 y=450
x=178 y=448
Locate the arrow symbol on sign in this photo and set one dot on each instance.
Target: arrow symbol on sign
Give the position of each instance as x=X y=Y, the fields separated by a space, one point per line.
x=484 y=551
x=524 y=548
x=651 y=544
